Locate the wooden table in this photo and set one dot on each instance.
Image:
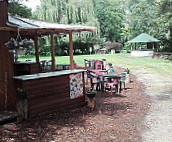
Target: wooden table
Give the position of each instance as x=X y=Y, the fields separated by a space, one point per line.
x=51 y=91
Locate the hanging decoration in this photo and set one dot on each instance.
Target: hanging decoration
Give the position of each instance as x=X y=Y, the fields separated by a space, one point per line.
x=19 y=44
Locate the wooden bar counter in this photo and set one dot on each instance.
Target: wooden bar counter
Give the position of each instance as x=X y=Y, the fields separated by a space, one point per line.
x=47 y=92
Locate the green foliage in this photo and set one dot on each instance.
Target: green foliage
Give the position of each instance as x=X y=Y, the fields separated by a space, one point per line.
x=116 y=20
x=161 y=66
x=127 y=47
x=110 y=14
x=16 y=9
x=152 y=17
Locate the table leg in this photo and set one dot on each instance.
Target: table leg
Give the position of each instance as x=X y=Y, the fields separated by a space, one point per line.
x=102 y=84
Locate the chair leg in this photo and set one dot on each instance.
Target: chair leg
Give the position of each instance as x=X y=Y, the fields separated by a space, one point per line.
x=120 y=86
x=98 y=86
x=92 y=86
x=111 y=88
x=124 y=86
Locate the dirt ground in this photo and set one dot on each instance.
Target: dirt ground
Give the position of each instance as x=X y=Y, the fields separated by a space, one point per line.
x=158 y=120
x=116 y=118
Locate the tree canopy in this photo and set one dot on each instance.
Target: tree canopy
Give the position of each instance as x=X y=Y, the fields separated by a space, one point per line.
x=116 y=20
x=17 y=9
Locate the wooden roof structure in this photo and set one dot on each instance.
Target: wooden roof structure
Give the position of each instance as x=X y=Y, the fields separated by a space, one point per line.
x=27 y=28
x=30 y=26
x=35 y=28
x=145 y=38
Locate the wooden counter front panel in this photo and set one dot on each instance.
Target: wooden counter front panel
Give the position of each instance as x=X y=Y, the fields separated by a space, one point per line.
x=49 y=94
x=26 y=68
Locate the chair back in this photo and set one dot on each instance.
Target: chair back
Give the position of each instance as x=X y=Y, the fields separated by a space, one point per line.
x=111 y=71
x=87 y=63
x=98 y=65
x=123 y=74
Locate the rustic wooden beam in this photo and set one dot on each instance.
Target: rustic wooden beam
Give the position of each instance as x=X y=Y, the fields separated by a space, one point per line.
x=52 y=52
x=8 y=29
x=71 y=51
x=36 y=48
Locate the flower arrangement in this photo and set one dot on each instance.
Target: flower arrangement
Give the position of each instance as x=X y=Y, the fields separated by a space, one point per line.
x=13 y=44
x=19 y=44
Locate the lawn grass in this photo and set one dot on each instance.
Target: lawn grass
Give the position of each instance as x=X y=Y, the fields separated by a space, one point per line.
x=121 y=60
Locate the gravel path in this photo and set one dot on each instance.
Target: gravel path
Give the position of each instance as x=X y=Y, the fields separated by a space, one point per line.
x=158 y=121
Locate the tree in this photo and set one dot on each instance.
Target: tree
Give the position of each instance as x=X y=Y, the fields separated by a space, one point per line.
x=152 y=17
x=110 y=14
x=17 y=9
x=142 y=17
x=165 y=20
x=68 y=12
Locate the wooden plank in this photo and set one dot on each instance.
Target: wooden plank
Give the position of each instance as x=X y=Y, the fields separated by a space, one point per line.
x=36 y=48
x=8 y=94
x=59 y=109
x=2 y=95
x=52 y=52
x=56 y=79
x=49 y=95
x=4 y=13
x=56 y=104
x=40 y=94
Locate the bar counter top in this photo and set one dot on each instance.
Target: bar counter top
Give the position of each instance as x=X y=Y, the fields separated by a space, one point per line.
x=48 y=74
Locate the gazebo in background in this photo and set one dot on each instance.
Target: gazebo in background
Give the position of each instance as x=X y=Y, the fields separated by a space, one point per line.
x=143 y=38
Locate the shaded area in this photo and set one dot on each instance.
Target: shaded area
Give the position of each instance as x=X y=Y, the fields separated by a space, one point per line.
x=115 y=118
x=8 y=116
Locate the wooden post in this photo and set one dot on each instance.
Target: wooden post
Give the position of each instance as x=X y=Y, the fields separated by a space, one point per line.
x=71 y=50
x=153 y=45
x=52 y=53
x=36 y=48
x=131 y=47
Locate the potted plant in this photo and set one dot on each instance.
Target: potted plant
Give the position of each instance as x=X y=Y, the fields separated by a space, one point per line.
x=91 y=93
x=19 y=44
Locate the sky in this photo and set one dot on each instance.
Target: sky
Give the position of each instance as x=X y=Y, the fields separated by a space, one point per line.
x=32 y=4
